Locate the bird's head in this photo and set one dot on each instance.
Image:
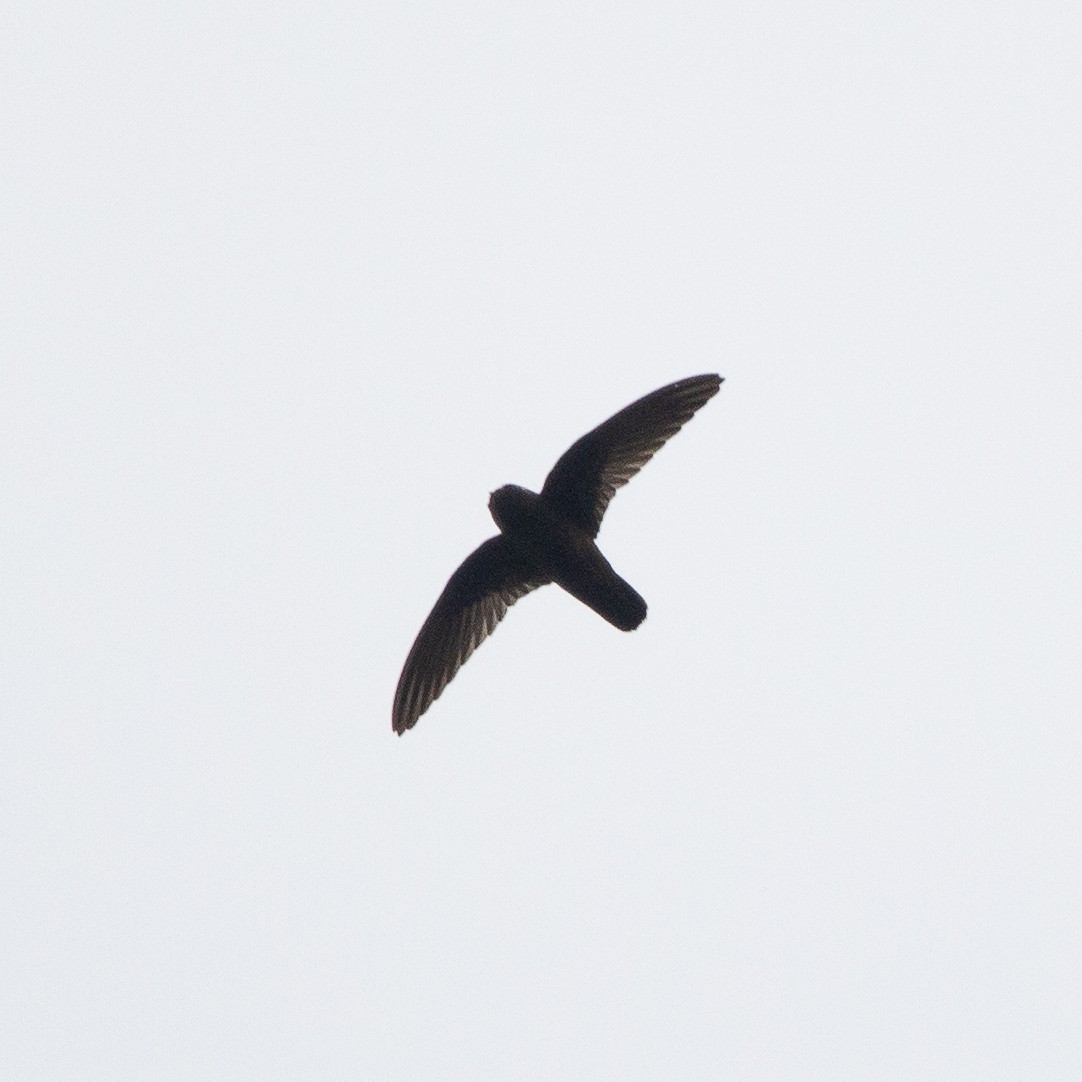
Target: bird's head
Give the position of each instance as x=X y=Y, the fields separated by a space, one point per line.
x=507 y=504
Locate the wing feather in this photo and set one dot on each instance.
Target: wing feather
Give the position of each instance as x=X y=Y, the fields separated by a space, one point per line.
x=476 y=598
x=586 y=477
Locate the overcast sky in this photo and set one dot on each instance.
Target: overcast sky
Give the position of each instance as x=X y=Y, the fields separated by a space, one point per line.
x=288 y=289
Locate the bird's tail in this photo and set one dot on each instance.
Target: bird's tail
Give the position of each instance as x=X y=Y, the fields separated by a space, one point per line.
x=594 y=583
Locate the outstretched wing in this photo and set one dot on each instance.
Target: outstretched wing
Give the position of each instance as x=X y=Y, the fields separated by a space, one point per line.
x=491 y=579
x=588 y=474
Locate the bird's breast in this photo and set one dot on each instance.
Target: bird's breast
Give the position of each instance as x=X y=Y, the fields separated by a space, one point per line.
x=531 y=524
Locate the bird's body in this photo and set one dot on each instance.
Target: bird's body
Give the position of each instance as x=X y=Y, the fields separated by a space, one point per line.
x=547 y=537
x=563 y=552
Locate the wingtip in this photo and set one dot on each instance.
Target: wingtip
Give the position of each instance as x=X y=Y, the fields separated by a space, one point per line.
x=707 y=378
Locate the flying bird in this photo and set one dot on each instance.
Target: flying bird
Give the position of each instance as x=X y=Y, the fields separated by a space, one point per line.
x=547 y=537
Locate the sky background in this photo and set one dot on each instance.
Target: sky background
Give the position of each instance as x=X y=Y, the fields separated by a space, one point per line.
x=288 y=289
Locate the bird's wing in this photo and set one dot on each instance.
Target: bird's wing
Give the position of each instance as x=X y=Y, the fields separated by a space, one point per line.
x=491 y=579
x=588 y=474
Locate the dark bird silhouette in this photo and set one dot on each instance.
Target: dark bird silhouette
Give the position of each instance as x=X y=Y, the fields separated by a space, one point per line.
x=547 y=537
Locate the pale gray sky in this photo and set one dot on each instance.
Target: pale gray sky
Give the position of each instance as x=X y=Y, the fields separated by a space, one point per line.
x=288 y=290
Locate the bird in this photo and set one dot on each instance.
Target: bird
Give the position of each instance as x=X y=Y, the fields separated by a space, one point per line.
x=545 y=537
